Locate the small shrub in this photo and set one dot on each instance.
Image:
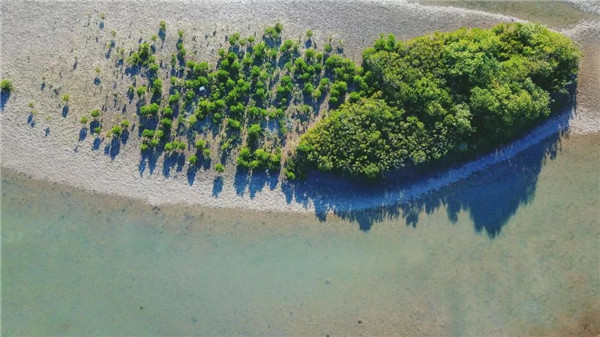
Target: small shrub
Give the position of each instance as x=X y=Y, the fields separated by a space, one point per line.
x=206 y=153
x=166 y=123
x=308 y=88
x=354 y=97
x=6 y=85
x=65 y=98
x=193 y=160
x=83 y=120
x=116 y=130
x=151 y=109
x=157 y=86
x=141 y=91
x=95 y=113
x=148 y=133
x=234 y=124
x=220 y=168
x=173 y=99
x=98 y=70
x=97 y=130
x=180 y=33
x=125 y=124
x=316 y=94
x=163 y=25
x=254 y=131
x=234 y=38
x=102 y=16
x=289 y=175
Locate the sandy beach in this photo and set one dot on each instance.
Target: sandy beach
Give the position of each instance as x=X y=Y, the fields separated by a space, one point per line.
x=52 y=48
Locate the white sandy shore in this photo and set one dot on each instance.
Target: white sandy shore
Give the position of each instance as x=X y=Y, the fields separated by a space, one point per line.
x=42 y=39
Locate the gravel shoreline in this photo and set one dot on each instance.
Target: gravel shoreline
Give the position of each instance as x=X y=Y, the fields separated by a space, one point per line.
x=43 y=38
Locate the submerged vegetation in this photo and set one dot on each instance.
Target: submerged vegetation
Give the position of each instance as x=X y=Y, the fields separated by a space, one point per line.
x=408 y=103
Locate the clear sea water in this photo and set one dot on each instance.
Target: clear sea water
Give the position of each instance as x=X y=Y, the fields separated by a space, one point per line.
x=512 y=250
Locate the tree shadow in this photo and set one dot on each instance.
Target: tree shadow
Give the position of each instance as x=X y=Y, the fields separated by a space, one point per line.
x=217 y=186
x=96 y=144
x=490 y=196
x=83 y=133
x=113 y=148
x=149 y=159
x=4 y=96
x=65 y=111
x=191 y=174
x=258 y=180
x=254 y=181
x=173 y=160
x=241 y=181
x=31 y=120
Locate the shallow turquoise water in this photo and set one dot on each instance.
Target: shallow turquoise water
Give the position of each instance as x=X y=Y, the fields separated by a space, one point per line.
x=512 y=250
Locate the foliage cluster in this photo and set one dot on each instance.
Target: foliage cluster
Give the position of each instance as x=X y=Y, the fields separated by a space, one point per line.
x=440 y=95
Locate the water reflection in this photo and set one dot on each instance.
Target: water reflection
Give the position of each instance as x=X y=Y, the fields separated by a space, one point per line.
x=490 y=197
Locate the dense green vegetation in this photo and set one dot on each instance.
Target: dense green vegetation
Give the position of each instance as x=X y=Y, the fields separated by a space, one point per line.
x=440 y=95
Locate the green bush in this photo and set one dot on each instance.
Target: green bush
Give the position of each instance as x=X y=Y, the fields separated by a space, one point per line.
x=149 y=110
x=234 y=124
x=148 y=133
x=174 y=98
x=157 y=87
x=141 y=91
x=234 y=38
x=437 y=95
x=220 y=168
x=254 y=131
x=166 y=123
x=116 y=131
x=259 y=158
x=95 y=113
